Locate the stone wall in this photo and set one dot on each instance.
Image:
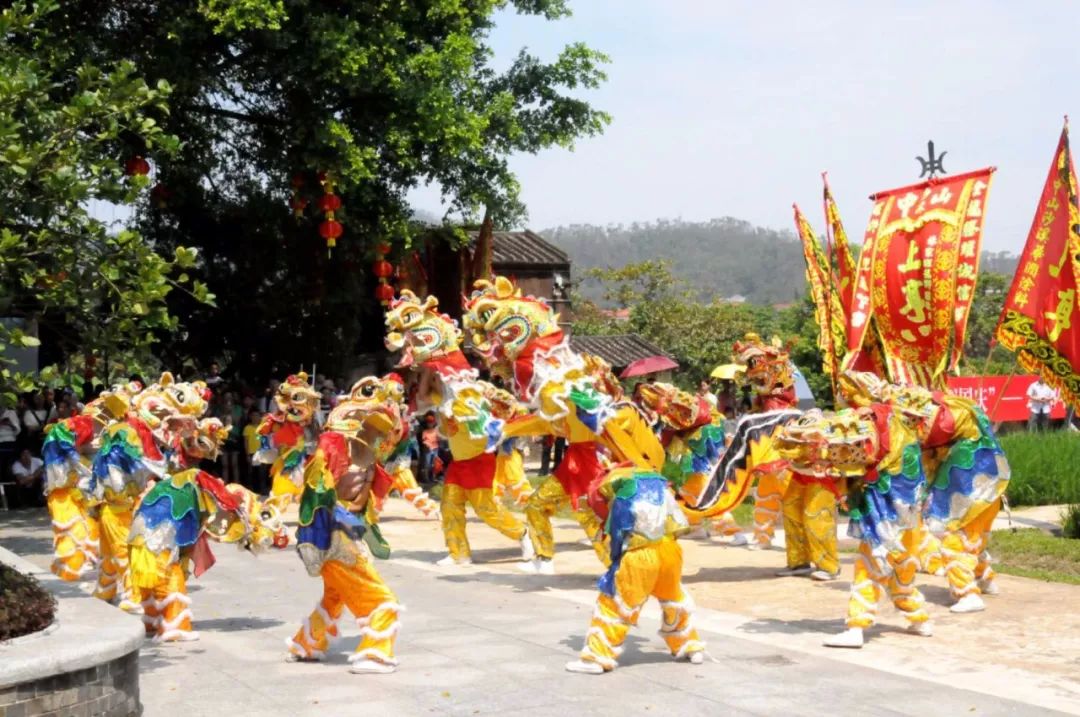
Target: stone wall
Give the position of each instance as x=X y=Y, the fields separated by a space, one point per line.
x=110 y=689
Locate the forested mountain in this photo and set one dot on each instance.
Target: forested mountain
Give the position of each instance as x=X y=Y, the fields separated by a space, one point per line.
x=720 y=258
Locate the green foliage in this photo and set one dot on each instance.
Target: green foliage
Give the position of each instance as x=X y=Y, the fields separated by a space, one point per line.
x=1070 y=521
x=64 y=124
x=1031 y=553
x=1043 y=467
x=25 y=606
x=986 y=307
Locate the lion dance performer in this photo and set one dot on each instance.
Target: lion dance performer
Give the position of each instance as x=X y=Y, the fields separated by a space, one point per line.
x=520 y=336
x=133 y=452
x=169 y=532
x=327 y=543
x=643 y=522
x=967 y=478
x=68 y=453
x=287 y=436
x=432 y=341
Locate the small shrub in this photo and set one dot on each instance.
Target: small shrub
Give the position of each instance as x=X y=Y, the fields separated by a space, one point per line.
x=1045 y=467
x=1070 y=521
x=25 y=606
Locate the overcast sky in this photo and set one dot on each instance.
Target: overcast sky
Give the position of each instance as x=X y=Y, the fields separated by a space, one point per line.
x=726 y=108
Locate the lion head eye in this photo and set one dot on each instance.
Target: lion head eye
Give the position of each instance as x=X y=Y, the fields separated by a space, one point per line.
x=368 y=391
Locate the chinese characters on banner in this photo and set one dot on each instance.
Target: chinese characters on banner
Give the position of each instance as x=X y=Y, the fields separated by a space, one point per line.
x=1003 y=398
x=1039 y=321
x=916 y=275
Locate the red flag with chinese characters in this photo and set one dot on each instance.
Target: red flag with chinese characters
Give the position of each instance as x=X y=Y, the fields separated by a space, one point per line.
x=916 y=276
x=1039 y=320
x=828 y=311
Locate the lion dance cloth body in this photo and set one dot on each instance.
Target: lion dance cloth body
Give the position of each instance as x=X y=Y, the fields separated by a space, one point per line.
x=287 y=436
x=133 y=452
x=643 y=522
x=467 y=419
x=568 y=396
x=327 y=542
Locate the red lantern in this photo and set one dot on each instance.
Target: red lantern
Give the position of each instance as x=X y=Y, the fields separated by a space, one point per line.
x=329 y=203
x=137 y=167
x=382 y=269
x=160 y=195
x=384 y=293
x=298 y=204
x=382 y=248
x=330 y=230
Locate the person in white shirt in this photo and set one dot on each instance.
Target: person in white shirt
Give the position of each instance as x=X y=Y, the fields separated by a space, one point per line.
x=705 y=392
x=9 y=434
x=34 y=420
x=1041 y=398
x=27 y=472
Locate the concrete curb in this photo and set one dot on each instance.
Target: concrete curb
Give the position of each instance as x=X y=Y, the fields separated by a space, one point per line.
x=86 y=633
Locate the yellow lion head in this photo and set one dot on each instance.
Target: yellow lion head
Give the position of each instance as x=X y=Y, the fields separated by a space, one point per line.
x=663 y=402
x=205 y=441
x=768 y=366
x=502 y=322
x=419 y=331
x=838 y=445
x=296 y=399
x=171 y=402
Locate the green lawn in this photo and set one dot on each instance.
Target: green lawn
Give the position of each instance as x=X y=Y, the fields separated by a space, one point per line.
x=1044 y=467
x=1031 y=553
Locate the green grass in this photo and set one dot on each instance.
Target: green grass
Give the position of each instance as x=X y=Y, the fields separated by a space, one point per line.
x=1031 y=553
x=1044 y=467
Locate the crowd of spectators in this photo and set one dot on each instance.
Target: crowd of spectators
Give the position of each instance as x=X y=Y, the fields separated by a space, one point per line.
x=22 y=433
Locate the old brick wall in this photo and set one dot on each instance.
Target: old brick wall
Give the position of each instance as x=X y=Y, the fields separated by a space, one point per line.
x=110 y=689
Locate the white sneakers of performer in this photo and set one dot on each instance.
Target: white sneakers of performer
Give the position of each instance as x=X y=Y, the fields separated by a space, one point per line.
x=851 y=637
x=823 y=576
x=969 y=603
x=537 y=567
x=739 y=539
x=797 y=571
x=527 y=552
x=584 y=668
x=371 y=667
x=989 y=587
x=450 y=560
x=922 y=629
x=696 y=658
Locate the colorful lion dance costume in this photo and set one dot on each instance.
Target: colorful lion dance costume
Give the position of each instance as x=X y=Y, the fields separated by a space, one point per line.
x=171 y=527
x=327 y=542
x=467 y=419
x=134 y=452
x=287 y=436
x=519 y=336
x=643 y=522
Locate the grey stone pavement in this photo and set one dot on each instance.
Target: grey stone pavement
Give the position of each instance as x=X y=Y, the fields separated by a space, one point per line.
x=483 y=640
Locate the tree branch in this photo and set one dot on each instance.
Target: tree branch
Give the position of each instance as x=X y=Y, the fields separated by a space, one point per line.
x=238 y=116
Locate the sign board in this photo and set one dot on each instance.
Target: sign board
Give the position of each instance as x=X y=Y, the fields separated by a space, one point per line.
x=1004 y=398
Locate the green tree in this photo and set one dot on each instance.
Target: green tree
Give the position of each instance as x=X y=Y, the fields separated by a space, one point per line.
x=383 y=97
x=979 y=355
x=63 y=123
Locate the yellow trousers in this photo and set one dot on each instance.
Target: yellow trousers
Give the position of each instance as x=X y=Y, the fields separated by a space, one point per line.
x=655 y=570
x=113 y=580
x=965 y=556
x=487 y=509
x=359 y=588
x=549 y=498
x=810 y=526
x=768 y=505
x=927 y=548
x=75 y=533
x=282 y=485
x=159 y=583
x=510 y=478
x=897 y=577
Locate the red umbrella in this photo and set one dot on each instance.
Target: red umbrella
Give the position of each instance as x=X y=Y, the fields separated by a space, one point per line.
x=649 y=364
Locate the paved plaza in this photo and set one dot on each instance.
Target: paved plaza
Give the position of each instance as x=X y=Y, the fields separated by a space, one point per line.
x=489 y=640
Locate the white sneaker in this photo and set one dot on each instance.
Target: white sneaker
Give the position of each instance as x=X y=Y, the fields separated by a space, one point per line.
x=529 y=566
x=739 y=539
x=371 y=667
x=545 y=567
x=851 y=637
x=696 y=658
x=823 y=576
x=989 y=587
x=797 y=571
x=584 y=668
x=969 y=603
x=450 y=560
x=922 y=629
x=527 y=551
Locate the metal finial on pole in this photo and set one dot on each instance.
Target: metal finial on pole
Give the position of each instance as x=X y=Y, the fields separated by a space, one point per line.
x=931 y=165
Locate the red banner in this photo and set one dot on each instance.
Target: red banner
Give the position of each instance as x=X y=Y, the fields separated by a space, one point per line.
x=917 y=274
x=1004 y=398
x=1039 y=321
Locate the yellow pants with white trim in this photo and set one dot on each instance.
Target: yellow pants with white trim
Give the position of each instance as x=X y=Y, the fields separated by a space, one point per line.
x=159 y=583
x=487 y=509
x=896 y=576
x=768 y=505
x=113 y=579
x=810 y=526
x=965 y=555
x=76 y=543
x=548 y=499
x=654 y=570
x=359 y=588
x=510 y=478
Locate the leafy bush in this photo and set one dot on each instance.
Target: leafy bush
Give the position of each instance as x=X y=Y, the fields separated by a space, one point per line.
x=1044 y=467
x=25 y=606
x=1070 y=521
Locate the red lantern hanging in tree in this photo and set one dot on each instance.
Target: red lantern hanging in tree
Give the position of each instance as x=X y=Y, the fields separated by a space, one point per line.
x=383 y=270
x=297 y=202
x=330 y=229
x=384 y=293
x=137 y=166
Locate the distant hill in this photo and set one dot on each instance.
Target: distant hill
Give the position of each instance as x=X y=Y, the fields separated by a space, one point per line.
x=720 y=258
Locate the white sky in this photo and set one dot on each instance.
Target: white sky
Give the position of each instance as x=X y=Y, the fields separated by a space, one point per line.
x=728 y=108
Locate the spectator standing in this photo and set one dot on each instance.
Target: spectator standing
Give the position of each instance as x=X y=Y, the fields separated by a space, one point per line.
x=430 y=445
x=706 y=393
x=34 y=420
x=1041 y=398
x=258 y=474
x=27 y=472
x=213 y=378
x=232 y=417
x=9 y=436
